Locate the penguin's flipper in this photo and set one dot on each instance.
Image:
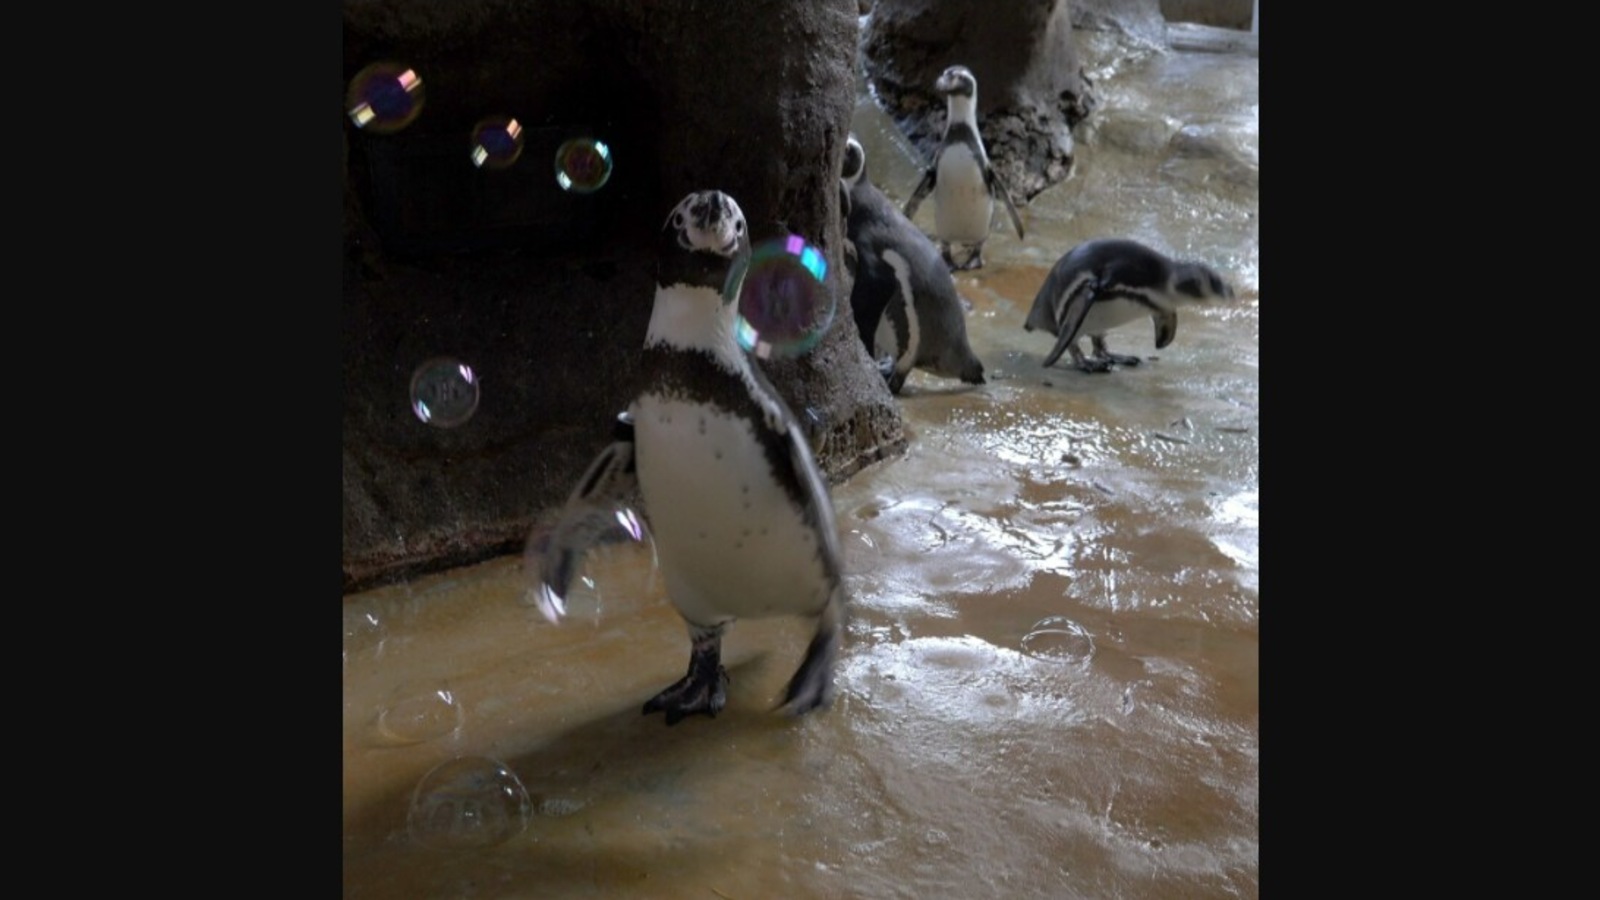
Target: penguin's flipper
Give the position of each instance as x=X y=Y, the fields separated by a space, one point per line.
x=997 y=186
x=812 y=684
x=589 y=514
x=1166 y=325
x=1072 y=316
x=922 y=190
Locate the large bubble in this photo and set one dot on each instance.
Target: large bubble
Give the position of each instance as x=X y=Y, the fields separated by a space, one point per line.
x=617 y=562
x=466 y=803
x=785 y=305
x=384 y=97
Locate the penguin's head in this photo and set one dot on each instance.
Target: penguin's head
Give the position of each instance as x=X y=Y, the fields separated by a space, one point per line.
x=708 y=221
x=855 y=162
x=957 y=81
x=1198 y=281
x=705 y=243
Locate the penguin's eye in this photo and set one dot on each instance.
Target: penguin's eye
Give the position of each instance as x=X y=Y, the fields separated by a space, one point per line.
x=739 y=226
x=677 y=220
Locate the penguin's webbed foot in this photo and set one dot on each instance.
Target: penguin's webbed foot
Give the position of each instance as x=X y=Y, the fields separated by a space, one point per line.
x=704 y=689
x=693 y=693
x=1101 y=352
x=1119 y=359
x=1090 y=364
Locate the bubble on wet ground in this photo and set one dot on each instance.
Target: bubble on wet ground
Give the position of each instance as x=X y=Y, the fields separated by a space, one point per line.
x=1059 y=639
x=468 y=803
x=384 y=97
x=583 y=165
x=419 y=712
x=606 y=553
x=785 y=305
x=364 y=627
x=444 y=392
x=496 y=142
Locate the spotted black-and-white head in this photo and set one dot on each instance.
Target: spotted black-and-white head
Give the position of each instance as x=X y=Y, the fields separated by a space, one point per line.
x=1199 y=281
x=710 y=221
x=704 y=239
x=957 y=81
x=855 y=162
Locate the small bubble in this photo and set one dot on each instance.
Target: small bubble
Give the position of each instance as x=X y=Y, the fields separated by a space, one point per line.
x=384 y=97
x=496 y=142
x=785 y=305
x=418 y=713
x=583 y=165
x=468 y=802
x=444 y=392
x=1059 y=638
x=364 y=626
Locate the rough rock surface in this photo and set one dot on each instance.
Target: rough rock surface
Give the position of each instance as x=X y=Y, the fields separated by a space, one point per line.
x=546 y=294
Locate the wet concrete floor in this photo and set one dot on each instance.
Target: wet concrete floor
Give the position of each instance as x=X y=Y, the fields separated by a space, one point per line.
x=1049 y=687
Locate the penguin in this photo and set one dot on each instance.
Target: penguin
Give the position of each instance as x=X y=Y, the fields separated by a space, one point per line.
x=905 y=302
x=1101 y=284
x=963 y=184
x=743 y=523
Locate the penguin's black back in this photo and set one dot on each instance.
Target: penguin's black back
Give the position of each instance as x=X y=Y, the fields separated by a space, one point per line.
x=875 y=226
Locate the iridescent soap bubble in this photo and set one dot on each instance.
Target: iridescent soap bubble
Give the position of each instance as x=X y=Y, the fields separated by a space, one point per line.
x=416 y=713
x=444 y=392
x=467 y=803
x=384 y=97
x=785 y=304
x=611 y=556
x=1059 y=638
x=496 y=142
x=583 y=165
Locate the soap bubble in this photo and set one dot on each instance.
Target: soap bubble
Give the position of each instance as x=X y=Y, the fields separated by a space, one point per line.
x=496 y=142
x=785 y=305
x=583 y=165
x=418 y=713
x=1059 y=638
x=384 y=97
x=444 y=392
x=618 y=562
x=467 y=803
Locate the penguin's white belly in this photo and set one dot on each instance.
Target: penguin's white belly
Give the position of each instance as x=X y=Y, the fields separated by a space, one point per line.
x=730 y=542
x=962 y=205
x=1109 y=314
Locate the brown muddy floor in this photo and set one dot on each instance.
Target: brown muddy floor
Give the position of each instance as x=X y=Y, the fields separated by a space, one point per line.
x=1050 y=684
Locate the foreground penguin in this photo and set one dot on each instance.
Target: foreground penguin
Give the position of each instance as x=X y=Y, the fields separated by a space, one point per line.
x=741 y=516
x=963 y=183
x=905 y=302
x=1101 y=284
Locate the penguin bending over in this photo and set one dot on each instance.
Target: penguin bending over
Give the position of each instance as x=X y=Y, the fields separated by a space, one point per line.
x=963 y=183
x=905 y=302
x=1102 y=284
x=743 y=523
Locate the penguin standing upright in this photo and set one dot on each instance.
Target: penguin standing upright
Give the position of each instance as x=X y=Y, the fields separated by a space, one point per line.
x=742 y=520
x=905 y=302
x=1102 y=284
x=963 y=183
